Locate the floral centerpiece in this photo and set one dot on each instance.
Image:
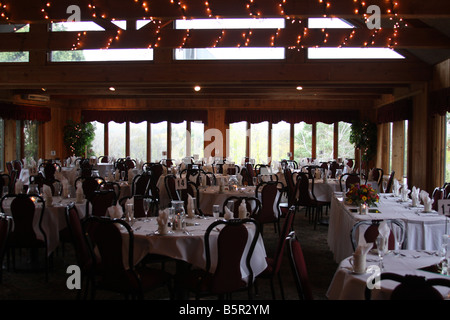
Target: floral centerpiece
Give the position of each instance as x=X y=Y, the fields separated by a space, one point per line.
x=362 y=194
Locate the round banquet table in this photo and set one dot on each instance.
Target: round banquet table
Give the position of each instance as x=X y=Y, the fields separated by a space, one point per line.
x=346 y=285
x=189 y=247
x=54 y=219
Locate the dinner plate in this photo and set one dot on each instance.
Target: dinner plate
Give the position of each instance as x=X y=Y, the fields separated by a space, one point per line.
x=163 y=234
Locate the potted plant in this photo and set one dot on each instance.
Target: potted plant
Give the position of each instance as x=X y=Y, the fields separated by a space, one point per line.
x=364 y=136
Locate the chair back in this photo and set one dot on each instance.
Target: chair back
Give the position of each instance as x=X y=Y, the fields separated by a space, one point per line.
x=231 y=247
x=298 y=267
x=83 y=256
x=170 y=184
x=281 y=243
x=111 y=185
x=377 y=175
x=6 y=223
x=141 y=184
x=269 y=194
x=23 y=211
x=438 y=194
x=371 y=232
x=106 y=242
x=349 y=179
x=100 y=201
x=89 y=185
x=333 y=168
x=5 y=181
x=390 y=182
x=412 y=287
x=305 y=196
x=253 y=205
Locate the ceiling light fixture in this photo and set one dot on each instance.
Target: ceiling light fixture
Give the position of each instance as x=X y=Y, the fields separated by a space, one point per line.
x=197 y=88
x=299 y=88
x=112 y=89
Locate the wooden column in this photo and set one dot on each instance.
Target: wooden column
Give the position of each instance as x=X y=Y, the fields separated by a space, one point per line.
x=398 y=149
x=336 y=141
x=292 y=141
x=314 y=141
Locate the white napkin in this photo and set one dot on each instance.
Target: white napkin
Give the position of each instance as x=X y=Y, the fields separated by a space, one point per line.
x=405 y=192
x=415 y=196
x=162 y=219
x=363 y=247
x=383 y=229
x=190 y=207
x=242 y=210
x=117 y=175
x=47 y=195
x=423 y=195
x=66 y=187
x=228 y=214
x=79 y=192
x=110 y=176
x=115 y=212
x=130 y=175
x=427 y=202
x=18 y=187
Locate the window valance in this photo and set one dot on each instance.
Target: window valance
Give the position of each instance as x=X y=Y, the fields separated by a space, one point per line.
x=440 y=102
x=397 y=111
x=19 y=112
x=138 y=116
x=292 y=116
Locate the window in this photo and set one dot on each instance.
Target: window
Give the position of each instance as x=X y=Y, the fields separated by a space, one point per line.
x=325 y=142
x=2 y=145
x=346 y=150
x=116 y=142
x=98 y=145
x=259 y=138
x=447 y=156
x=14 y=56
x=31 y=139
x=237 y=137
x=235 y=53
x=280 y=140
x=302 y=140
x=138 y=141
x=353 y=53
x=178 y=136
x=158 y=141
x=197 y=139
x=102 y=55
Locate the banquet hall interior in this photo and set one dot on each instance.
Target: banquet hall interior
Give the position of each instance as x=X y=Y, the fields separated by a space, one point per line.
x=258 y=90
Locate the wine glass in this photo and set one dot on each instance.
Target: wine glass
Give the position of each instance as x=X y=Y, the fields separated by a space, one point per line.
x=384 y=186
x=122 y=175
x=381 y=243
x=147 y=204
x=399 y=238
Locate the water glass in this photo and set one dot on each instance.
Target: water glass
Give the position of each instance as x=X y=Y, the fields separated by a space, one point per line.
x=216 y=211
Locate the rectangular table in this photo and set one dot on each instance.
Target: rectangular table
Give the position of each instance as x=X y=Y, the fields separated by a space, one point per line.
x=423 y=230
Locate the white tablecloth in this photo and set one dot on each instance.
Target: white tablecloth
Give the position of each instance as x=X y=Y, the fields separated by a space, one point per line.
x=54 y=219
x=189 y=248
x=349 y=286
x=423 y=230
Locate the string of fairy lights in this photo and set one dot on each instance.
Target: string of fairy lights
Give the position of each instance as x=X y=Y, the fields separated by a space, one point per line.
x=385 y=36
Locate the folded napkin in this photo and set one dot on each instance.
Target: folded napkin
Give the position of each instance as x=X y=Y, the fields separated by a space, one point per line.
x=405 y=192
x=228 y=214
x=18 y=187
x=115 y=212
x=423 y=195
x=383 y=229
x=47 y=195
x=415 y=196
x=363 y=247
x=427 y=203
x=162 y=219
x=190 y=207
x=79 y=192
x=117 y=175
x=66 y=187
x=242 y=210
x=110 y=176
x=130 y=175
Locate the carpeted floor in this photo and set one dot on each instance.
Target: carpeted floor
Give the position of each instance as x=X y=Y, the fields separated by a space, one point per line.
x=28 y=283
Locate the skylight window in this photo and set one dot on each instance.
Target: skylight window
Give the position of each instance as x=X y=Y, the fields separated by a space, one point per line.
x=328 y=23
x=242 y=23
x=76 y=26
x=353 y=53
x=230 y=54
x=102 y=55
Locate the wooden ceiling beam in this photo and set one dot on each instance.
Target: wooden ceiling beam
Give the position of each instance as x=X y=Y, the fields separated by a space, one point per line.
x=291 y=37
x=25 y=11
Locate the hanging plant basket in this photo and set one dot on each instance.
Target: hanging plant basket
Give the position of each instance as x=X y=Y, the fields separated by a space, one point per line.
x=364 y=136
x=78 y=138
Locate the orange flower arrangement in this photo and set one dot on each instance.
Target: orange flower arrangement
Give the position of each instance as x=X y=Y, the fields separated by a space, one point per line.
x=359 y=194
